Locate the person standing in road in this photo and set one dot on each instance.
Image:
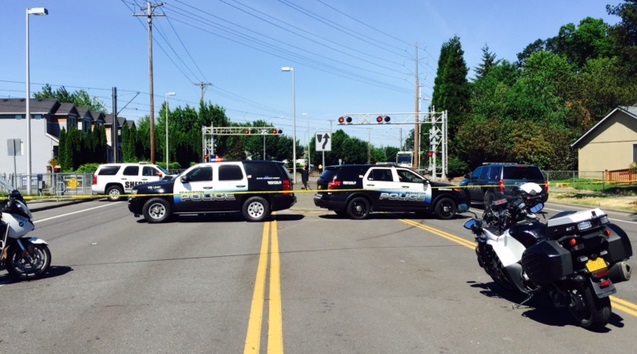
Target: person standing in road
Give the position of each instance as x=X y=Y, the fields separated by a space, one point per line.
x=305 y=174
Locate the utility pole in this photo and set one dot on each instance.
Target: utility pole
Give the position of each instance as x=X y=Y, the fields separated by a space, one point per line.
x=149 y=15
x=114 y=126
x=417 y=123
x=202 y=85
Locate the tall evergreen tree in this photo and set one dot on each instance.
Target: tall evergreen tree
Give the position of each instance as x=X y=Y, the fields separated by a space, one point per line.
x=452 y=91
x=489 y=61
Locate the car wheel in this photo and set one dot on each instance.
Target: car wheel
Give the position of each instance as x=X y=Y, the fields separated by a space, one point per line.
x=114 y=193
x=157 y=210
x=489 y=198
x=358 y=208
x=256 y=209
x=446 y=208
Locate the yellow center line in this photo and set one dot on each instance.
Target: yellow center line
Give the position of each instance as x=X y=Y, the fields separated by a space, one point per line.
x=619 y=304
x=275 y=313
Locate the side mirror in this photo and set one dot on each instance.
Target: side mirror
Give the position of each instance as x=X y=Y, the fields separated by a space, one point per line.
x=184 y=179
x=469 y=225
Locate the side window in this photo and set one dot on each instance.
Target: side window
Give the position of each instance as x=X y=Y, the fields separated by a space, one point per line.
x=201 y=174
x=108 y=171
x=476 y=173
x=149 y=171
x=380 y=174
x=230 y=173
x=484 y=174
x=131 y=171
x=408 y=176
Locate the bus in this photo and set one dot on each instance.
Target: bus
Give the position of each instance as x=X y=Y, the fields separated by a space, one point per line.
x=405 y=159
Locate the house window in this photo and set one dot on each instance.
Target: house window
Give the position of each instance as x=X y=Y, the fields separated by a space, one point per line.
x=634 y=152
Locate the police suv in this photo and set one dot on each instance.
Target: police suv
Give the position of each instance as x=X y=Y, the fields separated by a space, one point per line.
x=254 y=188
x=357 y=190
x=116 y=179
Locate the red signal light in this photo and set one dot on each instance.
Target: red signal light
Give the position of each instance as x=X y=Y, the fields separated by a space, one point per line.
x=275 y=132
x=341 y=120
x=383 y=119
x=247 y=131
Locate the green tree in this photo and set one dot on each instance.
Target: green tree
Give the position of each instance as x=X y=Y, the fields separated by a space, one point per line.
x=589 y=40
x=452 y=91
x=489 y=61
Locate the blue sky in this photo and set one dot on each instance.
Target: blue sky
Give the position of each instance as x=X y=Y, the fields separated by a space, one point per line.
x=349 y=56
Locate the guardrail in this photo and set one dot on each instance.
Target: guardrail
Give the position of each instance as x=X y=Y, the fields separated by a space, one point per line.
x=53 y=184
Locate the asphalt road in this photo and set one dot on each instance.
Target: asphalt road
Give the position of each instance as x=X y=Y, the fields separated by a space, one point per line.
x=305 y=282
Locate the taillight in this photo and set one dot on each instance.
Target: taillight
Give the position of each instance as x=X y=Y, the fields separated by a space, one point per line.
x=501 y=186
x=94 y=179
x=334 y=184
x=287 y=185
x=546 y=186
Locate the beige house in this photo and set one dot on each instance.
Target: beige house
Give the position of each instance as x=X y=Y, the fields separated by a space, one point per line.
x=611 y=144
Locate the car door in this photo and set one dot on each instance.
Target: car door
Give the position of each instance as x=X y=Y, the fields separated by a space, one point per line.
x=193 y=190
x=130 y=178
x=475 y=191
x=416 y=190
x=381 y=187
x=230 y=185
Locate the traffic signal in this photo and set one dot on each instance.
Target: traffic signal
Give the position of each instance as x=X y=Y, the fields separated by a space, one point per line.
x=246 y=132
x=430 y=153
x=381 y=119
x=345 y=119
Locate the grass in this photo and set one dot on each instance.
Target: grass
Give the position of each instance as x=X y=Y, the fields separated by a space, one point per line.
x=590 y=193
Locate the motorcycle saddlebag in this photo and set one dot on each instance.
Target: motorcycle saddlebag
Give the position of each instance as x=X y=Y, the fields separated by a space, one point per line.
x=546 y=262
x=619 y=247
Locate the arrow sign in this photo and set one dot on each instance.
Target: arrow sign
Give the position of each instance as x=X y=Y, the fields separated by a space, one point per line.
x=323 y=141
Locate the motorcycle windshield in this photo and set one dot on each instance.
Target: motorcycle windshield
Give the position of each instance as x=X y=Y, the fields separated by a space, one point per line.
x=5 y=187
x=21 y=209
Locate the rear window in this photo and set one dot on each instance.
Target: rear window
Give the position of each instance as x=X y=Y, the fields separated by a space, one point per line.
x=523 y=172
x=108 y=171
x=265 y=170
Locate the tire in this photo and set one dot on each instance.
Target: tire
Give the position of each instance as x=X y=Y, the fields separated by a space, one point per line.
x=489 y=198
x=589 y=311
x=358 y=208
x=446 y=208
x=114 y=193
x=28 y=265
x=255 y=209
x=157 y=210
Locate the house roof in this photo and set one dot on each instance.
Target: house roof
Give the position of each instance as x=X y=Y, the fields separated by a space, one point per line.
x=18 y=106
x=630 y=111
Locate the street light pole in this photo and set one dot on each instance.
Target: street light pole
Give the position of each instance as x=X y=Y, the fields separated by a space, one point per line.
x=291 y=69
x=37 y=11
x=167 y=150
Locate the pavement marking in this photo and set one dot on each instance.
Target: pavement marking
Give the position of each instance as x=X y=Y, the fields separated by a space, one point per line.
x=67 y=214
x=275 y=317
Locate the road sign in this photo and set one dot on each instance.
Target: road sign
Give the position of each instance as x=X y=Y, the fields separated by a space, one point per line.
x=323 y=141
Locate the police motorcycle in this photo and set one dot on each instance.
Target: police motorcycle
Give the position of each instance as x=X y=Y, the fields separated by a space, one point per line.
x=23 y=257
x=575 y=257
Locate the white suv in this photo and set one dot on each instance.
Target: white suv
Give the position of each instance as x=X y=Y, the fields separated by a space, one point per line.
x=116 y=179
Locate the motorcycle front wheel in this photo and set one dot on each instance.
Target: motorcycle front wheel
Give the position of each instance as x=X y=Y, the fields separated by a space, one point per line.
x=28 y=264
x=588 y=310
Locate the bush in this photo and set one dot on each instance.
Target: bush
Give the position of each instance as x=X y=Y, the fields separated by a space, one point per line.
x=456 y=167
x=87 y=168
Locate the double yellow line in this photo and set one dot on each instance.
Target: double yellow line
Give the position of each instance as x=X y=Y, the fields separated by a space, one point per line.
x=269 y=253
x=619 y=304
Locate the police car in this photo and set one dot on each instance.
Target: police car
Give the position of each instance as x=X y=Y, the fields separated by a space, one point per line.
x=117 y=179
x=253 y=188
x=357 y=190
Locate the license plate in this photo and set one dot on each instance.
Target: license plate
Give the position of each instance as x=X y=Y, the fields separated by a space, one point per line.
x=595 y=265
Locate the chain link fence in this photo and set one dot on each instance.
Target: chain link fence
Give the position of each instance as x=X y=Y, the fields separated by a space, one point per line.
x=52 y=184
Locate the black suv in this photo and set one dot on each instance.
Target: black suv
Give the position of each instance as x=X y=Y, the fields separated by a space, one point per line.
x=254 y=188
x=357 y=190
x=486 y=181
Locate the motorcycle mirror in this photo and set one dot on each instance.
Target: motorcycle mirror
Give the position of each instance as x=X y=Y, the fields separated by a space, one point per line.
x=537 y=208
x=470 y=224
